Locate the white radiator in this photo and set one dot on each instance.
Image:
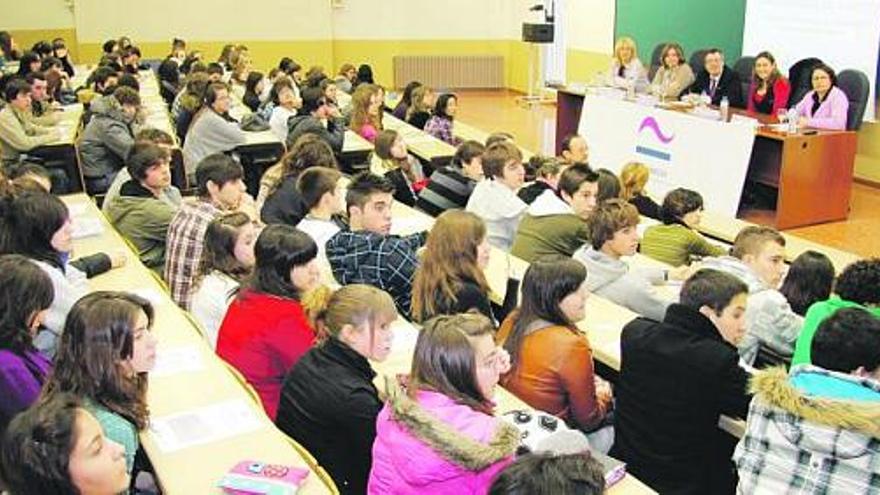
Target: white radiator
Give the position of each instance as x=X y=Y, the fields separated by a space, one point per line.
x=452 y=71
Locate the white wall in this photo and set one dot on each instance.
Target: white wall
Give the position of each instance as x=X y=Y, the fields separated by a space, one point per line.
x=37 y=14
x=589 y=25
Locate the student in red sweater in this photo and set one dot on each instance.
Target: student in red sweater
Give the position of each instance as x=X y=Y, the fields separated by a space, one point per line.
x=266 y=329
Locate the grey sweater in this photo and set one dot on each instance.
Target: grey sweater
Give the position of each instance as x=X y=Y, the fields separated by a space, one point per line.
x=208 y=134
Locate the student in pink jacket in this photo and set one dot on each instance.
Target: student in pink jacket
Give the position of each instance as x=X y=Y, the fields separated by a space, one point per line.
x=826 y=106
x=439 y=435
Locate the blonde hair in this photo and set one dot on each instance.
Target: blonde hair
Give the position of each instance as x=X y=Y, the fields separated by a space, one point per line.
x=418 y=101
x=360 y=108
x=624 y=42
x=356 y=305
x=633 y=178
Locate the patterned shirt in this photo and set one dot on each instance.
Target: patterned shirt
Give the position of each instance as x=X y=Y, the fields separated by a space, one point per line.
x=186 y=239
x=441 y=128
x=385 y=261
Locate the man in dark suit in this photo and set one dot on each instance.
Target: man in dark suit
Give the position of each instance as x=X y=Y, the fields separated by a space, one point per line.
x=718 y=80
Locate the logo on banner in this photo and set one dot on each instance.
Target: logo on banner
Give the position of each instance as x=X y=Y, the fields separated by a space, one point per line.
x=657 y=144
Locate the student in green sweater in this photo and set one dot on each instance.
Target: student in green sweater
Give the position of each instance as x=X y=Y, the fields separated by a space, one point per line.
x=858 y=286
x=677 y=241
x=556 y=222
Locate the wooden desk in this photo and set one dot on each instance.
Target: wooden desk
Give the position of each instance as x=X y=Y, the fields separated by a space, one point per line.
x=465 y=132
x=195 y=469
x=430 y=149
x=812 y=173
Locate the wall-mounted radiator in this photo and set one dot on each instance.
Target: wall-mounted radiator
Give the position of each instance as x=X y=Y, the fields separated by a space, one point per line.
x=452 y=71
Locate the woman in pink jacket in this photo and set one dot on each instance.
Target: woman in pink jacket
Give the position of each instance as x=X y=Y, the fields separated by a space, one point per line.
x=439 y=435
x=826 y=106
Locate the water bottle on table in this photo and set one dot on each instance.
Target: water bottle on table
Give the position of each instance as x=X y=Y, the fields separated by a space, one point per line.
x=724 y=108
x=792 y=121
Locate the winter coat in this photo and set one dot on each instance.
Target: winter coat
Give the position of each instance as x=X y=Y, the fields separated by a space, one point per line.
x=107 y=139
x=500 y=208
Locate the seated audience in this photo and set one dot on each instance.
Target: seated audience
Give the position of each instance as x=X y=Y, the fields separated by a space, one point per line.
x=494 y=199
x=346 y=77
x=857 y=286
x=718 y=81
x=58 y=447
x=282 y=202
x=677 y=242
x=419 y=112
x=139 y=213
x=758 y=259
x=284 y=104
x=219 y=189
x=439 y=435
x=366 y=111
x=18 y=133
x=392 y=160
x=450 y=279
x=551 y=360
x=609 y=185
x=825 y=107
x=556 y=222
x=253 y=89
x=30 y=61
x=188 y=103
x=212 y=129
x=364 y=76
x=451 y=186
x=267 y=328
x=546 y=177
x=440 y=125
x=104 y=355
x=170 y=195
x=314 y=118
x=574 y=150
x=366 y=252
x=626 y=68
x=101 y=82
x=674 y=75
x=322 y=191
x=769 y=90
x=44 y=110
x=546 y=474
x=816 y=430
x=809 y=279
x=633 y=179
x=227 y=259
x=405 y=100
x=613 y=235
x=25 y=296
x=108 y=138
x=677 y=377
x=328 y=402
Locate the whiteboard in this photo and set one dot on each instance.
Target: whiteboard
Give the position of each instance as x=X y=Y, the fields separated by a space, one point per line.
x=845 y=34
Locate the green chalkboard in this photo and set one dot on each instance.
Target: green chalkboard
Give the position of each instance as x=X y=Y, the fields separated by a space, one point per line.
x=696 y=24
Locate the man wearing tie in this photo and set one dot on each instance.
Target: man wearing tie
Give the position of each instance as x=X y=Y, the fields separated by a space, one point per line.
x=718 y=80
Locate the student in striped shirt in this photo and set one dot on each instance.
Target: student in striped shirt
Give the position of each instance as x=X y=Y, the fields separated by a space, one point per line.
x=451 y=186
x=677 y=241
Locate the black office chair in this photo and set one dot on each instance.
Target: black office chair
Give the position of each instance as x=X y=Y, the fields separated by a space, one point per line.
x=768 y=357
x=744 y=66
x=856 y=86
x=655 y=60
x=698 y=60
x=800 y=77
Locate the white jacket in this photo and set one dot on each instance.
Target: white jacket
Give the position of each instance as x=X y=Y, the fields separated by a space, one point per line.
x=500 y=208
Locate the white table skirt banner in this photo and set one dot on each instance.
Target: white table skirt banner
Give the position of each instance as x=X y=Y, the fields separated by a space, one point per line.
x=681 y=150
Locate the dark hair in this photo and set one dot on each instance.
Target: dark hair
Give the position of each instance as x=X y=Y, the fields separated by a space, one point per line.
x=288 y=66
x=312 y=99
x=712 y=51
x=750 y=240
x=444 y=360
x=566 y=141
x=219 y=247
x=29 y=220
x=25 y=290
x=129 y=81
x=6 y=46
x=215 y=68
x=609 y=185
x=127 y=96
x=219 y=169
x=678 y=203
x=254 y=78
x=609 y=217
x=49 y=62
x=109 y=45
x=467 y=151
x=308 y=151
x=277 y=87
x=24 y=63
x=154 y=135
x=827 y=70
x=547 y=281
x=36 y=448
x=362 y=186
x=496 y=156
x=442 y=103
x=42 y=48
x=144 y=155
x=549 y=474
x=860 y=282
x=384 y=142
x=278 y=250
x=575 y=175
x=314 y=183
x=678 y=51
x=23 y=169
x=101 y=74
x=711 y=288
x=35 y=76
x=211 y=90
x=15 y=87
x=847 y=340
x=774 y=74
x=365 y=74
x=178 y=44
x=809 y=279
x=406 y=99
x=98 y=334
x=131 y=50
x=497 y=137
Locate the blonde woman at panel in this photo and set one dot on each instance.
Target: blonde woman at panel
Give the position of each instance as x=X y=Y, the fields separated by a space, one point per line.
x=626 y=68
x=674 y=74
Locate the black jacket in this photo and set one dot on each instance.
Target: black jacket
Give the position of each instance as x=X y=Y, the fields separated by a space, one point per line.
x=729 y=86
x=402 y=190
x=531 y=192
x=284 y=205
x=329 y=405
x=677 y=377
x=419 y=119
x=646 y=206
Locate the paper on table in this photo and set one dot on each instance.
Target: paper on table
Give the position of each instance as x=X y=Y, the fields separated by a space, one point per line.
x=409 y=225
x=184 y=359
x=86 y=227
x=204 y=425
x=77 y=209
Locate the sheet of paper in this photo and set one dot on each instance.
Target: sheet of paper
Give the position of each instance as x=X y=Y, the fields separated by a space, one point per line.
x=77 y=209
x=86 y=227
x=204 y=425
x=176 y=360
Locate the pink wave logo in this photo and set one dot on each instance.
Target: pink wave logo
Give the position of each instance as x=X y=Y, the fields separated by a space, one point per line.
x=651 y=123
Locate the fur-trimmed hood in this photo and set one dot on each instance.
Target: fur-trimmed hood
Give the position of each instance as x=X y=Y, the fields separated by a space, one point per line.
x=823 y=397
